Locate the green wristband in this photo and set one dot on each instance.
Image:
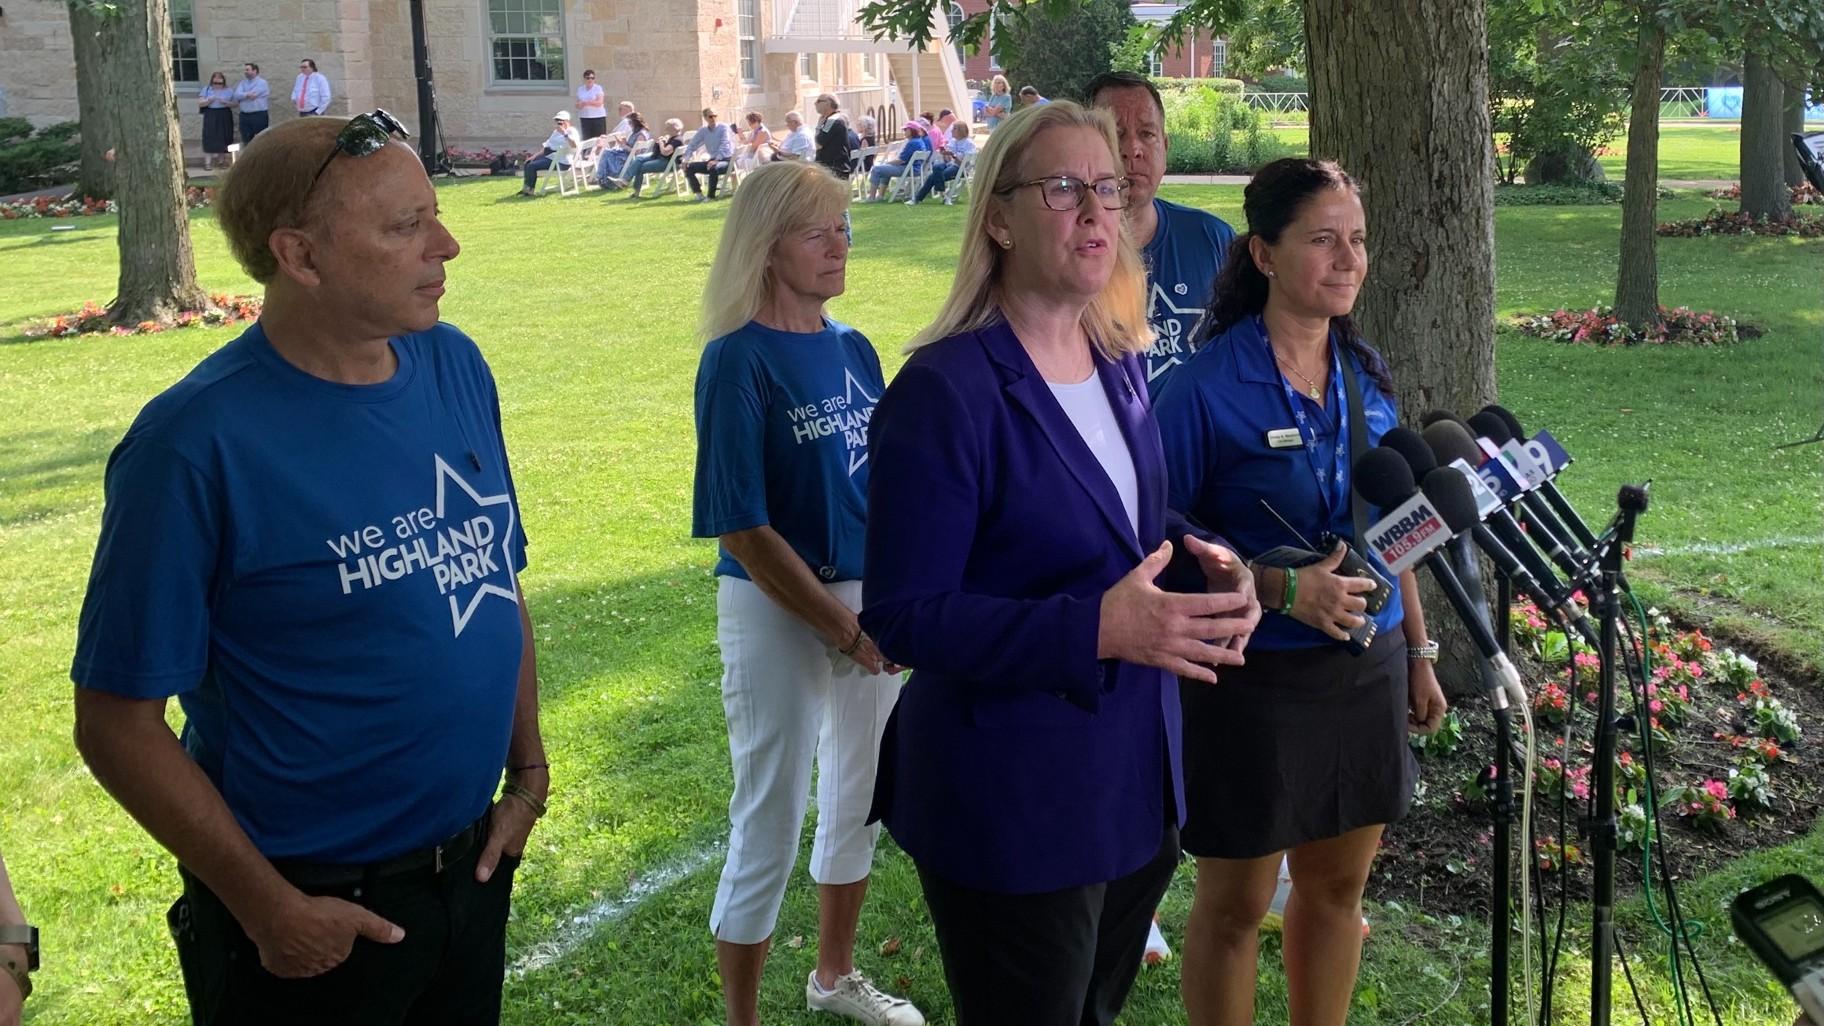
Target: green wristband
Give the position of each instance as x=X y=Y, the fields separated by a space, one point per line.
x=1285 y=608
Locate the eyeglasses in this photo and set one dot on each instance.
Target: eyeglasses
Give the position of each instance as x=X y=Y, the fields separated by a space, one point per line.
x=364 y=135
x=1065 y=193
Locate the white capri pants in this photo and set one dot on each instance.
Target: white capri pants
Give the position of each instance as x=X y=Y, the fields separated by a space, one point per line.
x=790 y=698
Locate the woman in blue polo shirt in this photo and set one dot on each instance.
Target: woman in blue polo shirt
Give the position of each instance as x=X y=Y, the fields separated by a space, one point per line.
x=1302 y=751
x=784 y=396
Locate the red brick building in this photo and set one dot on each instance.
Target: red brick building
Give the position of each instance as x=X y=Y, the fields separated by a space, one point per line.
x=1201 y=55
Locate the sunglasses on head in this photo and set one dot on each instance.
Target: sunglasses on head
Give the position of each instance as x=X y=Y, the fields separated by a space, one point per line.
x=364 y=135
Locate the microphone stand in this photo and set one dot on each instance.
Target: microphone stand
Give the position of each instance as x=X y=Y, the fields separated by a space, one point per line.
x=1607 y=600
x=1502 y=814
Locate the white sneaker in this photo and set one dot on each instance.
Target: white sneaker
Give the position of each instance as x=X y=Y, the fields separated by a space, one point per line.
x=855 y=998
x=911 y=203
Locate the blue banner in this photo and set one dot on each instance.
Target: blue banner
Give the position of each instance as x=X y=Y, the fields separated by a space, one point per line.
x=1726 y=102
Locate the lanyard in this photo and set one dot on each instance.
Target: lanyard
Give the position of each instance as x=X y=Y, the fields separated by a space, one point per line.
x=1330 y=468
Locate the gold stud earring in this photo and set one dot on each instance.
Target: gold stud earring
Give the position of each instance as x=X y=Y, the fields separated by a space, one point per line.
x=1006 y=243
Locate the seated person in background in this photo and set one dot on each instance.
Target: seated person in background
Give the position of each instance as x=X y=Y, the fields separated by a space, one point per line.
x=798 y=143
x=717 y=142
x=949 y=163
x=657 y=160
x=867 y=134
x=940 y=129
x=757 y=144
x=887 y=170
x=611 y=166
x=559 y=146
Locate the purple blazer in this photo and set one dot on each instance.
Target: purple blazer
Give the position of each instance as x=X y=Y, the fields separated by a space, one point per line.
x=1015 y=761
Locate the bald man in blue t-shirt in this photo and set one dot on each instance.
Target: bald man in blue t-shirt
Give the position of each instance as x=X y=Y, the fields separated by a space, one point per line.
x=313 y=542
x=1183 y=247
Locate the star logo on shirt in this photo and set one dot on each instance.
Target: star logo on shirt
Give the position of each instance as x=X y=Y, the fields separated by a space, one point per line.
x=851 y=389
x=1171 y=323
x=468 y=504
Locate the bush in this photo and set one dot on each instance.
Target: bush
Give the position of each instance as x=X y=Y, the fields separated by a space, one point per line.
x=1225 y=86
x=1213 y=132
x=1726 y=222
x=1600 y=326
x=35 y=159
x=1280 y=84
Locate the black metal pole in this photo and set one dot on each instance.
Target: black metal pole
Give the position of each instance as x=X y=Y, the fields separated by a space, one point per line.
x=427 y=97
x=1632 y=501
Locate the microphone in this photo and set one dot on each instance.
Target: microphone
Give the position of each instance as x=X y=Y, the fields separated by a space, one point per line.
x=1545 y=528
x=1433 y=416
x=1410 y=528
x=1455 y=501
x=1544 y=448
x=1452 y=445
x=1378 y=479
x=1412 y=448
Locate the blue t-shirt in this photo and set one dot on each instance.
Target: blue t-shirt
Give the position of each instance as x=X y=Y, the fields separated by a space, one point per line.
x=1182 y=262
x=1214 y=415
x=782 y=439
x=324 y=574
x=913 y=146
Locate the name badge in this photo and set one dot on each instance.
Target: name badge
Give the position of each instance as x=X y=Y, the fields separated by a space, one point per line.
x=1285 y=438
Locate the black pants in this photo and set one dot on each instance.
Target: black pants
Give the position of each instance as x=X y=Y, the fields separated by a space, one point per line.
x=713 y=168
x=1067 y=958
x=593 y=127
x=446 y=972
x=253 y=122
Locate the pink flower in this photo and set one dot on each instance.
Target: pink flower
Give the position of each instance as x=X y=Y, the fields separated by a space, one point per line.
x=1716 y=789
x=1656 y=705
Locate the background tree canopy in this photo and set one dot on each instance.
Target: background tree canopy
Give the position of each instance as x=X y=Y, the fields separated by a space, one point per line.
x=1057 y=53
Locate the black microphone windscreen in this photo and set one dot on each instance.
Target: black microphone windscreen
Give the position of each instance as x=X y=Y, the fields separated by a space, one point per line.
x=1491 y=427
x=1512 y=422
x=1410 y=445
x=1449 y=493
x=1383 y=477
x=1449 y=440
x=1433 y=416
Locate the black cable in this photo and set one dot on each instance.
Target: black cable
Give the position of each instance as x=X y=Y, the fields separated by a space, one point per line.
x=1680 y=931
x=1621 y=956
x=1549 y=961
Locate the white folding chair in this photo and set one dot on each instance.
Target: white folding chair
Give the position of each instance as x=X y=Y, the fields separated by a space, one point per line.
x=582 y=166
x=958 y=187
x=858 y=172
x=556 y=172
x=906 y=185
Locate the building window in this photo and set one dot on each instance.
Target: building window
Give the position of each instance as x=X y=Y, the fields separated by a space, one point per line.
x=747 y=31
x=807 y=66
x=956 y=17
x=1219 y=58
x=526 y=40
x=1155 y=62
x=184 y=66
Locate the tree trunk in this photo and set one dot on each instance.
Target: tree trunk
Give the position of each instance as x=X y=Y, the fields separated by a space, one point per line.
x=96 y=177
x=1399 y=92
x=1793 y=121
x=1637 y=286
x=157 y=268
x=1764 y=192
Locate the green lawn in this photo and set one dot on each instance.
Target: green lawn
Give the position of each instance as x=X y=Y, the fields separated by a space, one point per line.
x=1686 y=152
x=585 y=317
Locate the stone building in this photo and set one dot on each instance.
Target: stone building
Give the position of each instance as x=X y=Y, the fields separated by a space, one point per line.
x=503 y=67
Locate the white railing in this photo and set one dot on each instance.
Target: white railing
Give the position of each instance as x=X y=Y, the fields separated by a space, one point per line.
x=1278 y=103
x=1674 y=101
x=823 y=19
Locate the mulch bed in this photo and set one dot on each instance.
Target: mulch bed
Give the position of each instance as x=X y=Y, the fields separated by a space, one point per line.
x=1437 y=859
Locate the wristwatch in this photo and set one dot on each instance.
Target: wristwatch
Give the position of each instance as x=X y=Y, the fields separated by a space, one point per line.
x=1427 y=652
x=21 y=974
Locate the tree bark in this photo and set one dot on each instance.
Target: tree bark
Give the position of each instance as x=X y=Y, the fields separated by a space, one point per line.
x=157 y=267
x=1792 y=121
x=1399 y=92
x=1637 y=285
x=1764 y=192
x=96 y=175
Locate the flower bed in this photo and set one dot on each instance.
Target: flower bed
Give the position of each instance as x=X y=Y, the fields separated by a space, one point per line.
x=1678 y=326
x=85 y=206
x=485 y=157
x=1802 y=194
x=1726 y=222
x=92 y=319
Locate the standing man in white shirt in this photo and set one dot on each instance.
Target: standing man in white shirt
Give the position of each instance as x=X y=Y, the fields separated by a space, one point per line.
x=311 y=91
x=591 y=107
x=254 y=97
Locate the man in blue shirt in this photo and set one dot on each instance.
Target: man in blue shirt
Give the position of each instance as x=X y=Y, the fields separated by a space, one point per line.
x=718 y=142
x=1183 y=247
x=252 y=95
x=313 y=541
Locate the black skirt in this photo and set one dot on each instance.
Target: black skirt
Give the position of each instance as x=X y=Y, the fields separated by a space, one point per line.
x=218 y=129
x=1296 y=746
